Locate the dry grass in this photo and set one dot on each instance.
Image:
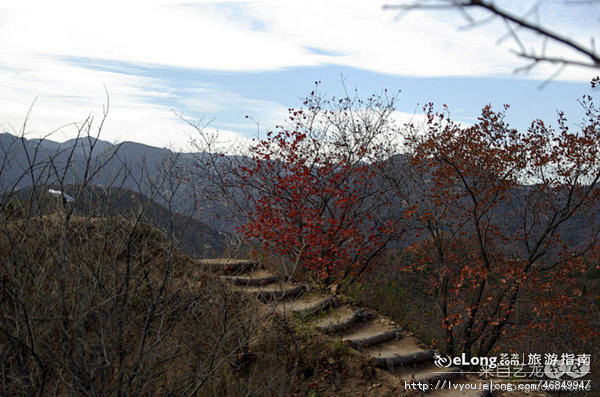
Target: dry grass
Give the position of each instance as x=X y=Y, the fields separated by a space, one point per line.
x=107 y=306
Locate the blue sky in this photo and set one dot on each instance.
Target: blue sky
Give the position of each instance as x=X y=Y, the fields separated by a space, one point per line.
x=221 y=61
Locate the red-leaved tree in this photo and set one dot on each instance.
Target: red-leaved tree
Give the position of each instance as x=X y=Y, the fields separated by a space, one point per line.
x=316 y=194
x=509 y=219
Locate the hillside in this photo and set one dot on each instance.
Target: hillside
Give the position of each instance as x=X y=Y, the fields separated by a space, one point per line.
x=130 y=165
x=192 y=237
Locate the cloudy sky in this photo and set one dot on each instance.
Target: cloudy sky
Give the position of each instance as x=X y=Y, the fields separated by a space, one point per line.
x=222 y=60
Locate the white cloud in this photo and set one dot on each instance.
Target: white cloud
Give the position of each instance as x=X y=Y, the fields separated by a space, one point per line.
x=168 y=33
x=221 y=36
x=247 y=36
x=63 y=93
x=213 y=99
x=419 y=44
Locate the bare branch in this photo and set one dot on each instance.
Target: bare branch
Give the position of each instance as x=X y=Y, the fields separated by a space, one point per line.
x=521 y=22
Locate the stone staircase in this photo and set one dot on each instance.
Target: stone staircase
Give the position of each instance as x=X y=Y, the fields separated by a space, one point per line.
x=386 y=345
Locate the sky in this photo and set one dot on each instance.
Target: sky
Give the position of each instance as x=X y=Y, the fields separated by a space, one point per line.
x=160 y=64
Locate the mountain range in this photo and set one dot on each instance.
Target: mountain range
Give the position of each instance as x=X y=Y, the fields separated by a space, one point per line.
x=135 y=171
x=123 y=176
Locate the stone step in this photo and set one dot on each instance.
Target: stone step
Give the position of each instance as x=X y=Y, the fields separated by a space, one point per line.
x=397 y=353
x=228 y=265
x=372 y=333
x=256 y=278
x=277 y=291
x=308 y=305
x=341 y=319
x=377 y=337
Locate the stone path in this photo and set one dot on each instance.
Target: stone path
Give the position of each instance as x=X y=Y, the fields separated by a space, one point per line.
x=386 y=344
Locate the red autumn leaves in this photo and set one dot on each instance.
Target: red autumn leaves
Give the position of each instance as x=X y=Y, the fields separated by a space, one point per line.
x=317 y=201
x=491 y=205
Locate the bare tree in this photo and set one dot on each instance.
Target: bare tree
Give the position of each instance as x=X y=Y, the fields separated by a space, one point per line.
x=94 y=300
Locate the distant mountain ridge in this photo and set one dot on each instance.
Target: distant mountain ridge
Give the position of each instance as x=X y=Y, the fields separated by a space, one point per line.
x=191 y=236
x=129 y=165
x=143 y=165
